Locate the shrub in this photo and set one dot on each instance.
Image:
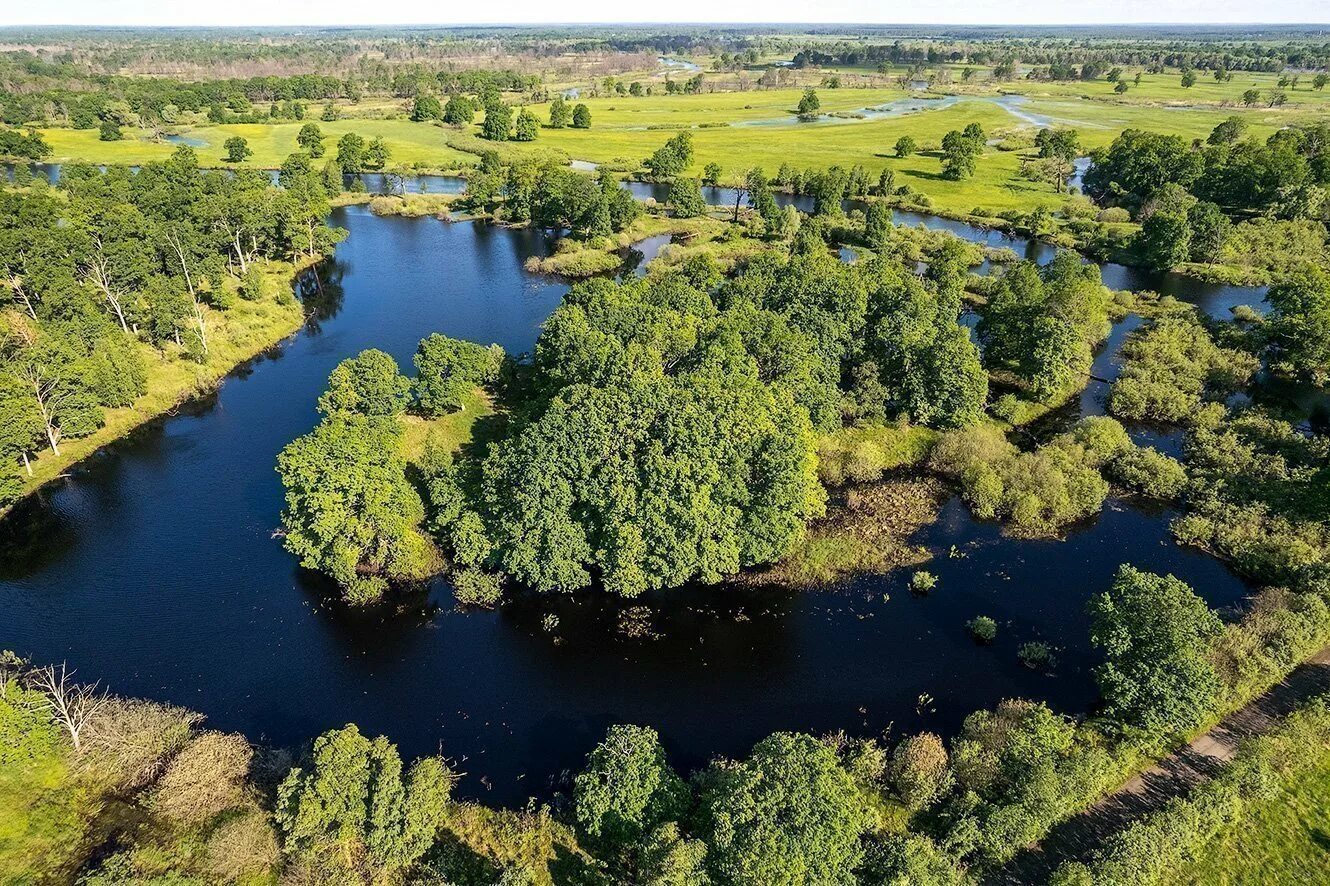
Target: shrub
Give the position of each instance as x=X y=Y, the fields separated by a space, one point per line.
x=1114 y=215
x=1035 y=655
x=1037 y=492
x=243 y=849
x=923 y=582
x=129 y=739
x=983 y=628
x=476 y=587
x=205 y=778
x=1167 y=368
x=919 y=770
x=1147 y=471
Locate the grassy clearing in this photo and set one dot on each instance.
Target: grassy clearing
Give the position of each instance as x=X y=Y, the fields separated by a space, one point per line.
x=863 y=454
x=409 y=143
x=869 y=531
x=448 y=432
x=626 y=130
x=1284 y=838
x=241 y=332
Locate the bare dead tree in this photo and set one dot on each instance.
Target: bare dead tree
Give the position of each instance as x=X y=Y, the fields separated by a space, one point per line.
x=71 y=704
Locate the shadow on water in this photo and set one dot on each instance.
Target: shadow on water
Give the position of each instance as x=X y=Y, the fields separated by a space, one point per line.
x=157 y=569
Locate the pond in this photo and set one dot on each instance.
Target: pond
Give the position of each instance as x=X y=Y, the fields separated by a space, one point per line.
x=154 y=567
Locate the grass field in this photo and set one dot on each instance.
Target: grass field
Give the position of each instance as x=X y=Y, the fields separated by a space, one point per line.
x=1282 y=839
x=628 y=129
x=410 y=143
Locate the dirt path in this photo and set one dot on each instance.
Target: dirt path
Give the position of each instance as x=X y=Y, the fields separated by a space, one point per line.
x=1173 y=776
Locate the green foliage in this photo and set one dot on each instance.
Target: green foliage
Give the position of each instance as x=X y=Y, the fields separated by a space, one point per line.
x=560 y=114
x=1138 y=164
x=350 y=511
x=649 y=397
x=982 y=628
x=1146 y=471
x=1191 y=838
x=1299 y=321
x=1156 y=636
x=905 y=146
x=1164 y=240
x=459 y=111
x=789 y=814
x=1019 y=770
x=923 y=582
x=1169 y=366
x=685 y=198
x=960 y=151
x=448 y=369
x=351 y=807
x=367 y=384
x=809 y=104
x=673 y=157
x=351 y=153
x=1041 y=323
x=1257 y=494
x=527 y=127
x=925 y=362
x=669 y=859
x=310 y=140
x=581 y=117
x=919 y=771
x=498 y=123
x=626 y=789
x=1038 y=492
x=426 y=107
x=237 y=149
x=908 y=860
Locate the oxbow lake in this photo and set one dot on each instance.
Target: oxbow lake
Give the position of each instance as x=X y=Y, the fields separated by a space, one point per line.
x=156 y=569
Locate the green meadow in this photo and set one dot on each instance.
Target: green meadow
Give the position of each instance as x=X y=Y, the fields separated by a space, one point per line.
x=740 y=130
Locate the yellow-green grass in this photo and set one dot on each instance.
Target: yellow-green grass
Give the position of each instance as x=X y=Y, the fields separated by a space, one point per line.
x=448 y=433
x=861 y=454
x=409 y=143
x=234 y=335
x=1282 y=840
x=1167 y=88
x=621 y=132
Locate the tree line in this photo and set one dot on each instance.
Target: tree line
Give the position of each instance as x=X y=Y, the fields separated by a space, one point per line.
x=116 y=260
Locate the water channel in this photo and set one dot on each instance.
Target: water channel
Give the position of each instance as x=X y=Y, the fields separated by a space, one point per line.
x=154 y=568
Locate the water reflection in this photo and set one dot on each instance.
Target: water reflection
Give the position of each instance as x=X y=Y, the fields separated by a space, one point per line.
x=155 y=568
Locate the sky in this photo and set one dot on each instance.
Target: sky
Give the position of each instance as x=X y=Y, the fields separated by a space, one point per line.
x=358 y=12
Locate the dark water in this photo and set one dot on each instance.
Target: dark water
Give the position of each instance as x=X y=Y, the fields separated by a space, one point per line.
x=154 y=569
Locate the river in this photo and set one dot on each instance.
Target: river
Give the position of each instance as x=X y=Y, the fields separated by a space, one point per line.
x=154 y=568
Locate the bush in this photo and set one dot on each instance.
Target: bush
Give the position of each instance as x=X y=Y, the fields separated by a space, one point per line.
x=128 y=740
x=923 y=582
x=207 y=777
x=1169 y=366
x=1035 y=655
x=243 y=849
x=476 y=587
x=982 y=628
x=1114 y=215
x=919 y=770
x=1147 y=471
x=1038 y=492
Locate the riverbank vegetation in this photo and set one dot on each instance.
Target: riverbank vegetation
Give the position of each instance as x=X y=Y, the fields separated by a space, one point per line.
x=128 y=292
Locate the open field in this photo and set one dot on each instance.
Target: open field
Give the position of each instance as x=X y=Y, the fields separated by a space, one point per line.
x=740 y=130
